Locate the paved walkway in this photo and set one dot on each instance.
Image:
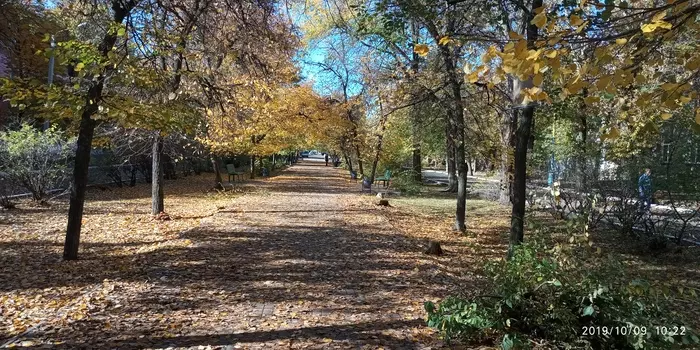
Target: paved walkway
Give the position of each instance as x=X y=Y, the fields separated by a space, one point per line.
x=304 y=261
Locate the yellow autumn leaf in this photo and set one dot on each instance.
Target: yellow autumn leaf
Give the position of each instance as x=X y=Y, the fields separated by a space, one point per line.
x=521 y=49
x=537 y=79
x=473 y=77
x=640 y=79
x=591 y=100
x=514 y=36
x=603 y=82
x=621 y=41
x=649 y=27
x=444 y=40
x=551 y=54
x=659 y=17
x=666 y=116
x=684 y=99
x=421 y=49
x=575 y=20
x=693 y=64
x=669 y=86
x=533 y=54
x=664 y=25
x=540 y=20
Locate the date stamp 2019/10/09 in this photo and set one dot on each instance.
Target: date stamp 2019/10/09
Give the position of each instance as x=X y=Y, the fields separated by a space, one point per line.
x=632 y=330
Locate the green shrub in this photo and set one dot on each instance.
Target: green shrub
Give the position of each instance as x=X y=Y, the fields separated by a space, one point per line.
x=405 y=182
x=557 y=295
x=5 y=191
x=36 y=160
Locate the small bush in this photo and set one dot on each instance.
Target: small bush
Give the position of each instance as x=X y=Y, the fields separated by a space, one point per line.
x=544 y=294
x=405 y=182
x=5 y=189
x=36 y=160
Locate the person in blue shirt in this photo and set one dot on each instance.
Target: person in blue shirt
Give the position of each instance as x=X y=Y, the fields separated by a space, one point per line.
x=645 y=191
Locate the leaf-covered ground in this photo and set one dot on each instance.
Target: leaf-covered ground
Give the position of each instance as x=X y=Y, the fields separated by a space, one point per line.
x=300 y=260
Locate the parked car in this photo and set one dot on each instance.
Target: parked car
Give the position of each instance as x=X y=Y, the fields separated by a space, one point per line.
x=305 y=154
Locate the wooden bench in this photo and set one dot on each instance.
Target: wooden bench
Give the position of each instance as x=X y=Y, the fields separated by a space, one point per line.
x=385 y=179
x=232 y=172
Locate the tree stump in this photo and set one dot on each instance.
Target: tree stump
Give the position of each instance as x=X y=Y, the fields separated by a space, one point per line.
x=383 y=202
x=434 y=248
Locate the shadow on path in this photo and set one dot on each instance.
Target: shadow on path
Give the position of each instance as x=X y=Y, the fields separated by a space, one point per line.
x=303 y=259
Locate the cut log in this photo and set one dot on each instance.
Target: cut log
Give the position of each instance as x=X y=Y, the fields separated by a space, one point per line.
x=434 y=248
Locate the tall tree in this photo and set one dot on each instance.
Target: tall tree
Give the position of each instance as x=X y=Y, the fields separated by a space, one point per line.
x=120 y=9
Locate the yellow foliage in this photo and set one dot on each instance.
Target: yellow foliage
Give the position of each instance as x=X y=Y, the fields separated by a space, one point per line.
x=421 y=49
x=540 y=20
x=575 y=20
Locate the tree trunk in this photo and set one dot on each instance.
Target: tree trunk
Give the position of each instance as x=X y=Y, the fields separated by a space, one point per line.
x=348 y=161
x=414 y=112
x=120 y=10
x=157 y=205
x=359 y=159
x=522 y=138
x=457 y=128
x=416 y=159
x=380 y=139
x=252 y=167
x=450 y=161
x=584 y=153
x=506 y=164
x=519 y=183
x=217 y=172
x=80 y=178
x=417 y=166
x=133 y=171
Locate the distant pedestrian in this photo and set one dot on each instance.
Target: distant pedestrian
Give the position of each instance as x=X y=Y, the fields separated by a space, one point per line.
x=326 y=159
x=645 y=190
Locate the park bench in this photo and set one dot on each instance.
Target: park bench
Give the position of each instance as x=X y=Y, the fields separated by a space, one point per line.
x=385 y=179
x=232 y=172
